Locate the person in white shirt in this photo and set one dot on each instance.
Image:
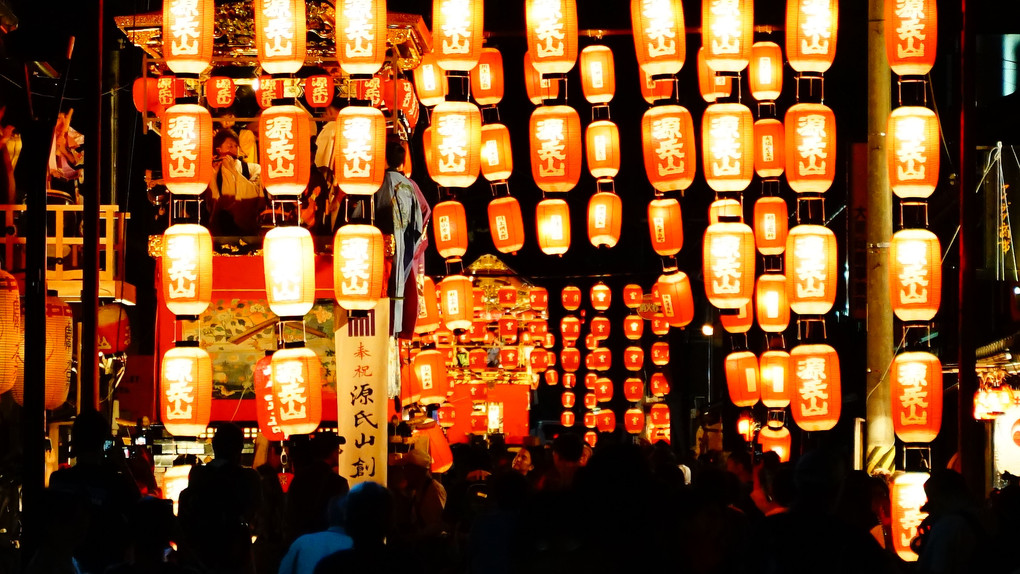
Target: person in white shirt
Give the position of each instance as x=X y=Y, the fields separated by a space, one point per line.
x=235 y=192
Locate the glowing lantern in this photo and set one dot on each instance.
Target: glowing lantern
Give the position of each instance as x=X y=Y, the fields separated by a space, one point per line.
x=369 y=90
x=10 y=330
x=660 y=326
x=539 y=89
x=430 y=81
x=590 y=380
x=605 y=421
x=598 y=74
x=916 y=389
x=712 y=87
x=507 y=296
x=446 y=416
x=633 y=358
x=775 y=440
x=168 y=89
x=297 y=389
x=268 y=89
x=569 y=380
x=59 y=352
x=506 y=224
x=742 y=378
x=729 y=264
x=187 y=149
x=659 y=385
x=913 y=151
x=570 y=330
x=539 y=360
x=480 y=422
x=907 y=497
x=477 y=359
x=745 y=426
x=145 y=95
x=567 y=399
x=555 y=136
x=773 y=370
x=602 y=146
x=769 y=148
x=428 y=308
x=591 y=343
x=633 y=389
x=665 y=226
x=667 y=141
x=660 y=40
x=600 y=329
x=655 y=90
x=289 y=261
x=508 y=329
x=361 y=156
x=567 y=419
x=810 y=148
x=601 y=296
x=727 y=27
x=450 y=229
x=811 y=34
x=455 y=302
x=571 y=298
x=773 y=310
x=770 y=225
x=509 y=358
x=430 y=370
x=570 y=359
x=911 y=36
x=915 y=277
x=358 y=266
x=318 y=90
x=632 y=295
x=589 y=419
x=361 y=36
x=538 y=298
x=765 y=74
x=187 y=269
x=455 y=144
x=280 y=36
x=477 y=331
x=497 y=161
x=602 y=358
x=727 y=132
x=285 y=148
x=740 y=321
x=603 y=390
x=660 y=353
x=457 y=33
x=817 y=395
x=811 y=259
x=659 y=413
x=188 y=35
x=113 y=329
x=604 y=219
x=677 y=299
x=186 y=390
x=219 y=92
x=552 y=34
x=487 y=78
x=267 y=409
x=633 y=327
x=553 y=222
x=731 y=209
x=538 y=328
x=551 y=377
x=634 y=420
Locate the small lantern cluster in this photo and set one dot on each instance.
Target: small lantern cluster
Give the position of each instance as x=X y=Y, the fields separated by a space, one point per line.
x=602 y=145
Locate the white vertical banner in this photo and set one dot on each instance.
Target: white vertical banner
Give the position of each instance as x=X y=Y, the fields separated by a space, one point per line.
x=362 y=365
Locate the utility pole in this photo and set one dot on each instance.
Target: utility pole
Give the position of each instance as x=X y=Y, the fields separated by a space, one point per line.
x=881 y=442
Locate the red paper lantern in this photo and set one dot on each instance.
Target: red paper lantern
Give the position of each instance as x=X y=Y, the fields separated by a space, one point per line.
x=168 y=89
x=552 y=217
x=428 y=308
x=911 y=36
x=677 y=299
x=721 y=209
x=289 y=262
x=745 y=426
x=659 y=413
x=633 y=358
x=446 y=416
x=457 y=33
x=727 y=28
x=267 y=409
x=361 y=36
x=913 y=153
x=602 y=146
x=771 y=221
x=454 y=302
x=280 y=35
x=590 y=380
x=487 y=78
x=915 y=276
x=604 y=219
x=538 y=298
x=660 y=353
x=811 y=34
x=556 y=149
x=188 y=35
x=497 y=159
x=507 y=296
x=567 y=399
x=297 y=389
x=729 y=264
x=539 y=89
x=430 y=370
x=665 y=226
x=598 y=74
x=740 y=321
x=477 y=359
x=318 y=90
x=571 y=298
x=633 y=389
x=570 y=330
x=659 y=385
x=603 y=359
x=285 y=149
x=916 y=389
x=600 y=329
x=634 y=420
x=777 y=441
x=591 y=438
x=632 y=295
x=456 y=144
x=358 y=266
x=742 y=378
x=186 y=390
x=538 y=328
x=187 y=153
x=774 y=371
x=605 y=421
x=569 y=380
x=145 y=95
x=11 y=327
x=450 y=229
x=811 y=259
x=601 y=296
x=769 y=148
x=509 y=358
x=361 y=150
x=771 y=303
x=567 y=419
x=817 y=394
x=430 y=81
x=907 y=496
x=590 y=401
x=268 y=89
x=589 y=420
x=552 y=34
x=810 y=148
x=655 y=90
x=660 y=38
x=765 y=74
x=727 y=134
x=660 y=325
x=506 y=224
x=668 y=147
x=539 y=360
x=187 y=269
x=712 y=86
x=480 y=422
x=633 y=327
x=219 y=92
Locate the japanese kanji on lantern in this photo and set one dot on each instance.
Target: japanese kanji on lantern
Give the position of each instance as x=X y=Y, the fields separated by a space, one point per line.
x=266 y=406
x=727 y=135
x=913 y=142
x=712 y=86
x=556 y=149
x=456 y=144
x=455 y=302
x=765 y=73
x=811 y=34
x=668 y=146
x=907 y=497
x=358 y=266
x=633 y=389
x=168 y=89
x=916 y=390
x=771 y=305
x=553 y=222
x=817 y=393
x=570 y=297
x=570 y=330
x=487 y=82
x=187 y=154
x=145 y=96
x=361 y=153
x=188 y=35
x=769 y=148
x=289 y=261
x=219 y=92
x=186 y=390
x=10 y=330
x=660 y=39
x=632 y=294
x=727 y=27
x=811 y=262
x=677 y=299
x=360 y=35
x=497 y=157
x=605 y=217
x=659 y=413
x=742 y=378
x=318 y=90
x=450 y=229
x=810 y=148
x=428 y=307
x=280 y=35
x=665 y=226
x=633 y=327
x=659 y=385
x=538 y=298
x=776 y=440
x=284 y=149
x=268 y=89
x=771 y=225
x=297 y=386
x=729 y=264
x=634 y=420
x=774 y=374
x=552 y=34
x=430 y=81
x=457 y=33
x=911 y=36
x=602 y=148
x=915 y=276
x=506 y=224
x=186 y=267
x=598 y=74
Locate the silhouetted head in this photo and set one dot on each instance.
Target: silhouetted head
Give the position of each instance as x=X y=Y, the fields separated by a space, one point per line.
x=567 y=447
x=369 y=513
x=395 y=154
x=88 y=433
x=336 y=511
x=228 y=442
x=945 y=489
